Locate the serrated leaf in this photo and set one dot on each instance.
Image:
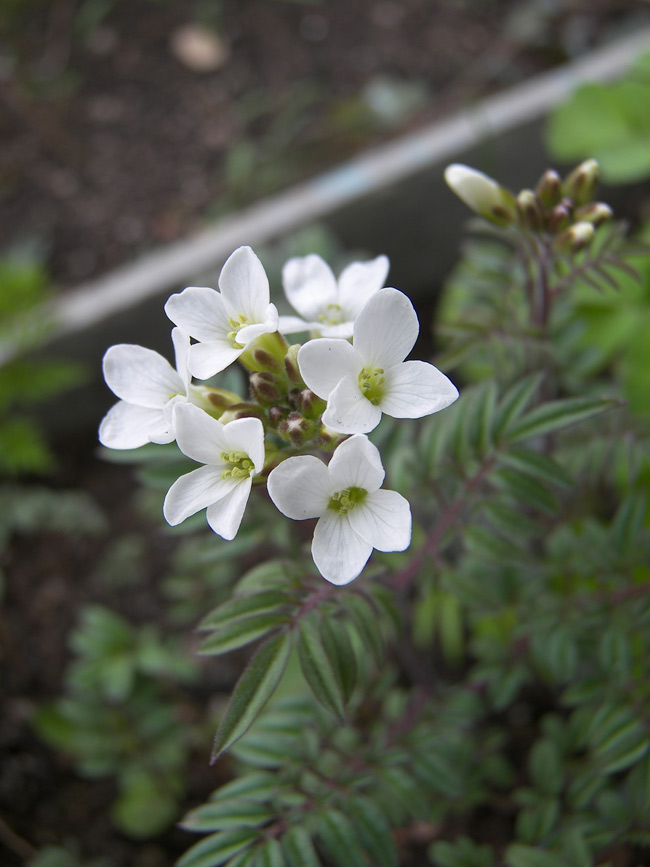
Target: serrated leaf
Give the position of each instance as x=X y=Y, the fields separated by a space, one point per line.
x=253 y=690
x=340 y=652
x=223 y=815
x=298 y=849
x=244 y=606
x=319 y=671
x=374 y=831
x=340 y=839
x=218 y=848
x=556 y=415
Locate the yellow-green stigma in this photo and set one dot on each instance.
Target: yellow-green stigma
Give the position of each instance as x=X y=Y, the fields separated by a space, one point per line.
x=333 y=315
x=372 y=383
x=344 y=501
x=240 y=466
x=236 y=323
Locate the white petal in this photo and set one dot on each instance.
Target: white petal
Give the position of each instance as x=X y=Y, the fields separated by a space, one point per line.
x=199 y=311
x=293 y=325
x=309 y=285
x=195 y=491
x=325 y=361
x=348 y=411
x=415 y=389
x=207 y=359
x=140 y=376
x=386 y=329
x=359 y=282
x=244 y=285
x=343 y=329
x=181 y=341
x=199 y=436
x=126 y=426
x=356 y=463
x=383 y=520
x=267 y=325
x=339 y=553
x=246 y=435
x=300 y=488
x=225 y=516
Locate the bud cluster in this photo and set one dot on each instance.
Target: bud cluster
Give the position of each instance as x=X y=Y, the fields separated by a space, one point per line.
x=560 y=208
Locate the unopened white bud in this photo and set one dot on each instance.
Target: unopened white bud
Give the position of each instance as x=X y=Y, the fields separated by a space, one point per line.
x=481 y=193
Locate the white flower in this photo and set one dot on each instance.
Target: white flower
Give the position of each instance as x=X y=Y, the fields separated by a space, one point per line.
x=354 y=515
x=329 y=308
x=363 y=379
x=225 y=322
x=147 y=386
x=232 y=453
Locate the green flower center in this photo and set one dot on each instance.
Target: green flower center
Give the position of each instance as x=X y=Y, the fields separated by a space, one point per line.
x=372 y=383
x=240 y=466
x=333 y=315
x=344 y=501
x=236 y=323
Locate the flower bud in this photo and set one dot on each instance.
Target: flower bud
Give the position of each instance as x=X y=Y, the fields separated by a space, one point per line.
x=265 y=388
x=219 y=400
x=482 y=194
x=580 y=185
x=296 y=429
x=266 y=352
x=549 y=189
x=291 y=364
x=559 y=219
x=277 y=415
x=310 y=404
x=596 y=213
x=576 y=237
x=242 y=410
x=529 y=211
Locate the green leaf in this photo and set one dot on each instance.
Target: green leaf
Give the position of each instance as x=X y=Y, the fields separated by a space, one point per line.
x=270 y=855
x=340 y=839
x=527 y=490
x=537 y=465
x=218 y=848
x=298 y=849
x=518 y=855
x=556 y=415
x=244 y=606
x=253 y=690
x=238 y=633
x=340 y=652
x=545 y=767
x=223 y=815
x=318 y=670
x=365 y=619
x=374 y=831
x=257 y=786
x=514 y=402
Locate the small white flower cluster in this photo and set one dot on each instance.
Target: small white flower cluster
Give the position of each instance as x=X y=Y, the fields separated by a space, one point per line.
x=326 y=394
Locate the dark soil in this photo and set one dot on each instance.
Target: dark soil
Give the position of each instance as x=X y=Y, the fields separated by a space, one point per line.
x=111 y=145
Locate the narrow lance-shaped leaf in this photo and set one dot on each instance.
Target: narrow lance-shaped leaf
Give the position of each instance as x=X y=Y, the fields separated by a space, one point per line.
x=319 y=671
x=218 y=848
x=240 y=632
x=556 y=415
x=514 y=402
x=338 y=647
x=253 y=690
x=244 y=606
x=298 y=849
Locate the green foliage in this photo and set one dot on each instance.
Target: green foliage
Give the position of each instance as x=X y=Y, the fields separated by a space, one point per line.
x=610 y=122
x=26 y=383
x=495 y=676
x=119 y=719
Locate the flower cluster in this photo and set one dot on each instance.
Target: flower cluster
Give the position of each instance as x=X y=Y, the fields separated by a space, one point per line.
x=323 y=396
